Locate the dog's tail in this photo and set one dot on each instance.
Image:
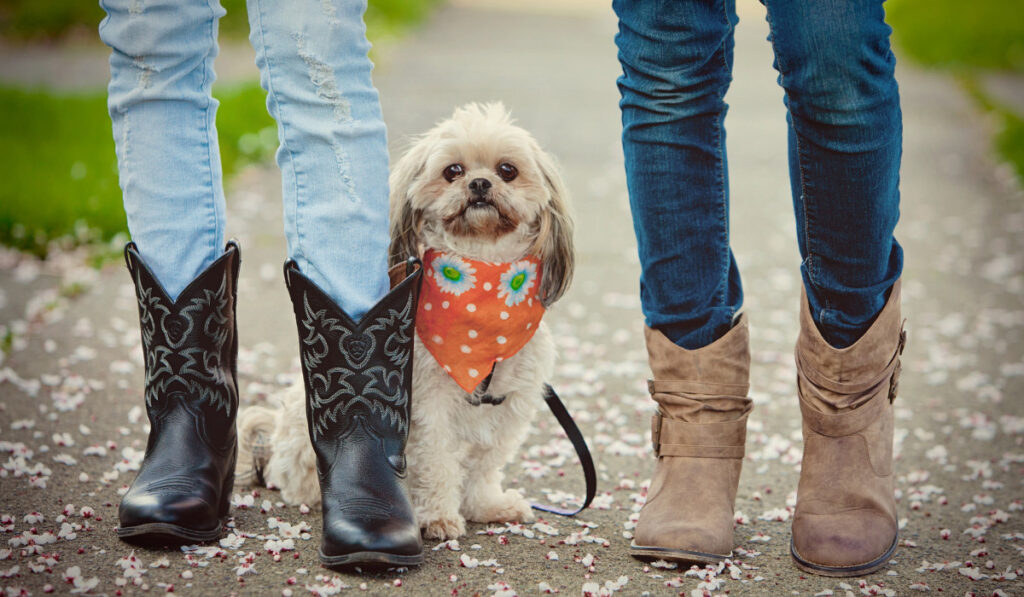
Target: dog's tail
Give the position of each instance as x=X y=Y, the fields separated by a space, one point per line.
x=255 y=428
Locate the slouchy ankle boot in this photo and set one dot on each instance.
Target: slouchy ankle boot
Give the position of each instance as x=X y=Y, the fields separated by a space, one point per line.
x=183 y=489
x=699 y=435
x=845 y=521
x=358 y=377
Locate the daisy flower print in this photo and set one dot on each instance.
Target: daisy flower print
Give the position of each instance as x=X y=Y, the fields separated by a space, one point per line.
x=517 y=281
x=453 y=274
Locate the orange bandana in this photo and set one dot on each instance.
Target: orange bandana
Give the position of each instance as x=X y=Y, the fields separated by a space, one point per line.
x=473 y=314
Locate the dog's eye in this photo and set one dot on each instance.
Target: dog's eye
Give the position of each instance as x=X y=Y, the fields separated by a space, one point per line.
x=507 y=171
x=452 y=172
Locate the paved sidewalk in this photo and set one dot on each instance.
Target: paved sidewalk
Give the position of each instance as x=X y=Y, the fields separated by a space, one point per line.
x=72 y=426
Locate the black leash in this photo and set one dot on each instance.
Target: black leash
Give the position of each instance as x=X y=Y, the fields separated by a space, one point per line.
x=576 y=437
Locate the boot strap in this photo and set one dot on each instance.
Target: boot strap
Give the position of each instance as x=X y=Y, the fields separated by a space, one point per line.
x=671 y=437
x=891 y=372
x=845 y=423
x=854 y=421
x=682 y=386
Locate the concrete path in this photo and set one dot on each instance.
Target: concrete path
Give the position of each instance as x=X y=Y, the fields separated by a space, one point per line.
x=72 y=426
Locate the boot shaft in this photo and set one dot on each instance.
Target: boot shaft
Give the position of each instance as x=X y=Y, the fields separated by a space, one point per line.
x=190 y=344
x=357 y=375
x=706 y=385
x=837 y=380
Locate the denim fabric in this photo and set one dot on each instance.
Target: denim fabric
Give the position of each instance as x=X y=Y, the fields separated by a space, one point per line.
x=313 y=63
x=845 y=141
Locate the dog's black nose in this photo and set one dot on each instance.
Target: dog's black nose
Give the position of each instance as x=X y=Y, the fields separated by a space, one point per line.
x=479 y=186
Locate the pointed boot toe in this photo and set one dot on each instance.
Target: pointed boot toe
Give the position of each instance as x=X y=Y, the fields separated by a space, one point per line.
x=152 y=504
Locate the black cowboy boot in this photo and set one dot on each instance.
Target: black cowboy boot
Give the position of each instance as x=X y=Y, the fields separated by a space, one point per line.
x=358 y=377
x=183 y=489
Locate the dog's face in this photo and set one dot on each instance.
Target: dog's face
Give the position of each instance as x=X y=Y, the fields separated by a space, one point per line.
x=482 y=187
x=477 y=185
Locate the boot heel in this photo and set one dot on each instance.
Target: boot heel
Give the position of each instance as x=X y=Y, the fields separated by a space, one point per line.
x=225 y=498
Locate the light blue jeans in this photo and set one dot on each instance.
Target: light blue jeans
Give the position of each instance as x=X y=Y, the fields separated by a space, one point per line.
x=312 y=56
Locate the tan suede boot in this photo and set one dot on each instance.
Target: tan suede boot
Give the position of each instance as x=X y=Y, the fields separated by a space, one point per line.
x=699 y=435
x=845 y=521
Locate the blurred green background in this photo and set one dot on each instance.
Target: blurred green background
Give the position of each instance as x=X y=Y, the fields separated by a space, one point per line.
x=57 y=159
x=970 y=40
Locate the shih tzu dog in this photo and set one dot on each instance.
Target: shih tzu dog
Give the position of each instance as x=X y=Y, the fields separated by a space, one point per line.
x=484 y=207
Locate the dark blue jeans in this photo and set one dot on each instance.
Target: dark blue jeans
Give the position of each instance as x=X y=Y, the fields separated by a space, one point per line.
x=845 y=143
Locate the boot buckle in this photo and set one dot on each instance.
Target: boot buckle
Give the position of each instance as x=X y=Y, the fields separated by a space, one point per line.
x=656 y=433
x=894 y=380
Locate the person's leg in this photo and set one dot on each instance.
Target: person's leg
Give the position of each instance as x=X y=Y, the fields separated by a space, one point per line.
x=333 y=156
x=676 y=60
x=185 y=280
x=836 y=67
x=161 y=72
x=355 y=335
x=845 y=144
x=677 y=64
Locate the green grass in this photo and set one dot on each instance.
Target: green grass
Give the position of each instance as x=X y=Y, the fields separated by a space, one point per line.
x=968 y=39
x=958 y=35
x=1010 y=142
x=57 y=160
x=390 y=18
x=59 y=169
x=56 y=19
x=48 y=19
x=1009 y=138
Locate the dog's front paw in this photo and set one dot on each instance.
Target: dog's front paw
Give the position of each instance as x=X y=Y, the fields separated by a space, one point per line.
x=509 y=506
x=444 y=527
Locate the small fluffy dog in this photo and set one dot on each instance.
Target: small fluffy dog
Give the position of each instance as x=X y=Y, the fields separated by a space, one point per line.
x=485 y=207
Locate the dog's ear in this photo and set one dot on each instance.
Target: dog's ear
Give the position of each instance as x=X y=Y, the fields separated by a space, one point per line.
x=554 y=243
x=405 y=218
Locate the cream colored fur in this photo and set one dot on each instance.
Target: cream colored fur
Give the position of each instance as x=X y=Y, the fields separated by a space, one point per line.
x=457 y=447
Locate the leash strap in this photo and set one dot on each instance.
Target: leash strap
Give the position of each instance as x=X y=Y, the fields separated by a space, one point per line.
x=576 y=437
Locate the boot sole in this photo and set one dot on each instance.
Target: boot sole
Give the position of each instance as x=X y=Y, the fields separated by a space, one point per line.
x=842 y=571
x=162 y=532
x=370 y=558
x=676 y=555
